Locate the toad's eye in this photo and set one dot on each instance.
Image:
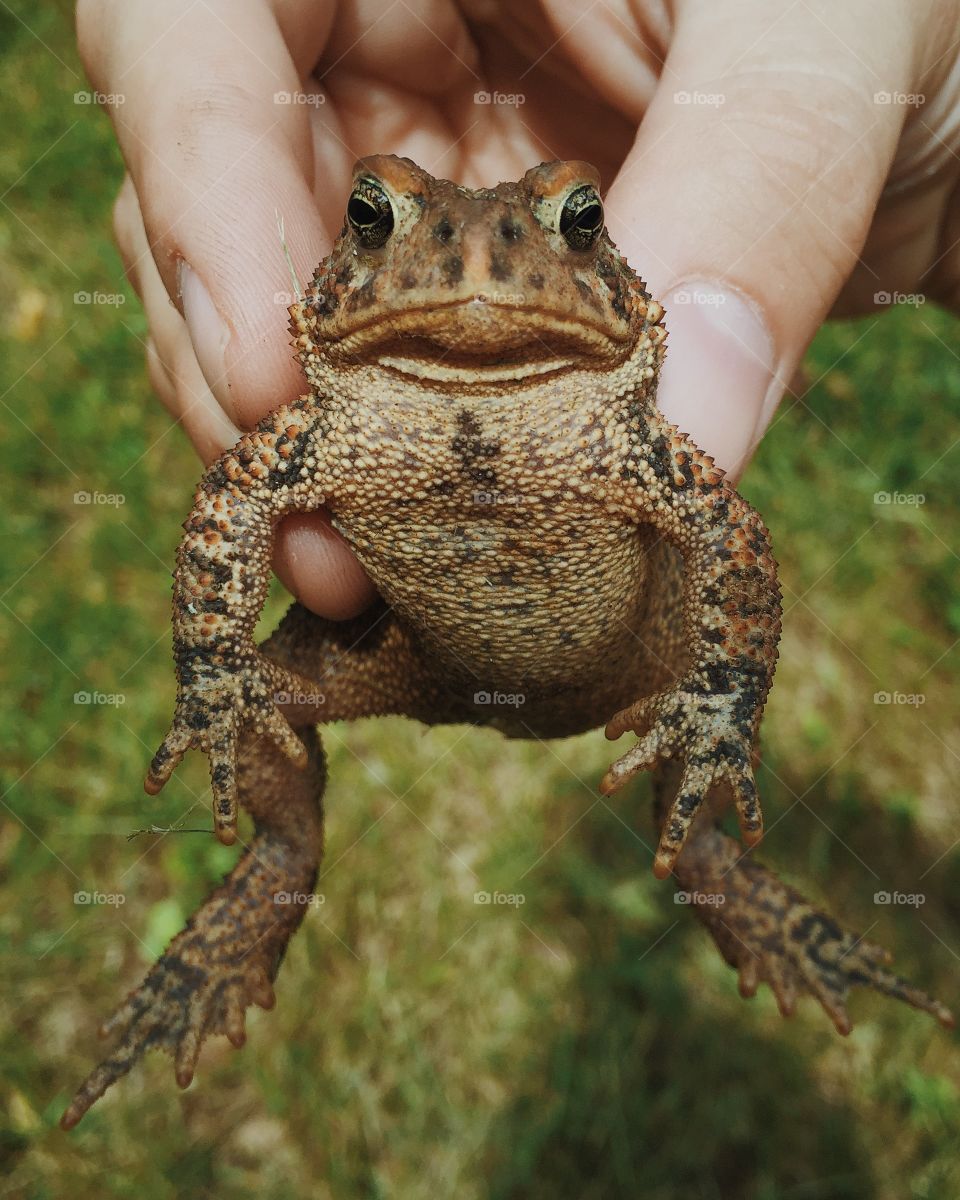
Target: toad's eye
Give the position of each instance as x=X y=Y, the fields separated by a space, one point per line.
x=581 y=218
x=370 y=213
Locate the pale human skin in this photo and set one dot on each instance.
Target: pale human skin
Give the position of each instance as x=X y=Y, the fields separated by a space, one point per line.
x=768 y=186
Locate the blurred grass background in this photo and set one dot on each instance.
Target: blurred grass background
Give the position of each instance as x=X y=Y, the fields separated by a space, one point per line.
x=588 y=1044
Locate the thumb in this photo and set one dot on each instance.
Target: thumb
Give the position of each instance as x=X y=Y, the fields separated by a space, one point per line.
x=748 y=194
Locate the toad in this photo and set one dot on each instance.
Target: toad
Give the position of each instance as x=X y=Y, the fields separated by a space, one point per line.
x=481 y=425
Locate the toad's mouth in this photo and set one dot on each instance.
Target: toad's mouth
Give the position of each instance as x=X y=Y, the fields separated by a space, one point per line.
x=476 y=342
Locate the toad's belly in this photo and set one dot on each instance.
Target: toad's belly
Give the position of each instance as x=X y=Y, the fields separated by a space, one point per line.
x=512 y=599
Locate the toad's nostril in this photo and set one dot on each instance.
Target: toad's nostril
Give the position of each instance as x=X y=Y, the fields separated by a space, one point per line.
x=443 y=230
x=510 y=230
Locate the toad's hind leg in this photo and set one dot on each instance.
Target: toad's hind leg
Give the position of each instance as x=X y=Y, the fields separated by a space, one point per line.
x=229 y=954
x=230 y=951
x=768 y=931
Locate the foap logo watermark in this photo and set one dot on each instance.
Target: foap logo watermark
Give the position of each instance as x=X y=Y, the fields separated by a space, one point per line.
x=908 y=299
x=110 y=699
x=310 y=899
x=107 y=499
x=108 y=299
x=900 y=99
x=286 y=299
x=509 y=99
x=509 y=899
x=500 y=699
x=112 y=899
x=516 y=298
x=700 y=99
x=297 y=699
x=698 y=296
x=300 y=99
x=490 y=499
x=910 y=699
x=104 y=99
x=902 y=499
x=907 y=899
x=713 y=899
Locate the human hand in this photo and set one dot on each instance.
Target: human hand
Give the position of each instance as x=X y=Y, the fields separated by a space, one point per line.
x=768 y=185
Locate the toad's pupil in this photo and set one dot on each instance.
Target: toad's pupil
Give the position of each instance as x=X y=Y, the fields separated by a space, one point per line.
x=361 y=212
x=588 y=218
x=370 y=215
x=581 y=218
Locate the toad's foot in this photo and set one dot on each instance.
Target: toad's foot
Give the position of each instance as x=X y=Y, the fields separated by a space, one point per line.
x=223 y=961
x=212 y=710
x=175 y=1008
x=709 y=733
x=771 y=934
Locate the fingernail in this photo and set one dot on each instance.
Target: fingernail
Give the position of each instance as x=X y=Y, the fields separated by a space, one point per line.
x=209 y=334
x=716 y=379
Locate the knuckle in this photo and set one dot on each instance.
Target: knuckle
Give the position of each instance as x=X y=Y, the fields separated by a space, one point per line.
x=803 y=147
x=809 y=130
x=198 y=131
x=205 y=121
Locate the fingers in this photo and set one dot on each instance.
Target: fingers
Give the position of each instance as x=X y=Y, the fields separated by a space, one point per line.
x=171 y=360
x=234 y=1014
x=93 y=1088
x=636 y=717
x=693 y=787
x=311 y=558
x=278 y=729
x=188 y=1048
x=219 y=740
x=748 y=978
x=421 y=45
x=213 y=160
x=749 y=813
x=166 y=760
x=260 y=989
x=223 y=782
x=748 y=194
x=317 y=567
x=784 y=986
x=638 y=758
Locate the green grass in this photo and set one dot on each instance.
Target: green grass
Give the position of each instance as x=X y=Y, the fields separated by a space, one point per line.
x=587 y=1044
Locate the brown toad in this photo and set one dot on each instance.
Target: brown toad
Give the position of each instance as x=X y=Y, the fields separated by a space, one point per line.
x=481 y=426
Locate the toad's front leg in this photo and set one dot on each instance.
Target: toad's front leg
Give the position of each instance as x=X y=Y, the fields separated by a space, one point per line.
x=731 y=622
x=220 y=583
